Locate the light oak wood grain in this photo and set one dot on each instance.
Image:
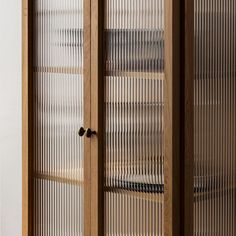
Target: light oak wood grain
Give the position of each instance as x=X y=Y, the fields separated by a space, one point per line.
x=87 y=117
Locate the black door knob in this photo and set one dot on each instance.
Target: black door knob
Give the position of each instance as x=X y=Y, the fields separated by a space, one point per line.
x=90 y=132
x=81 y=132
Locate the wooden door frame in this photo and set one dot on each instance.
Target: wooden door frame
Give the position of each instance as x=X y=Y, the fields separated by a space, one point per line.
x=27 y=120
x=87 y=117
x=97 y=121
x=178 y=116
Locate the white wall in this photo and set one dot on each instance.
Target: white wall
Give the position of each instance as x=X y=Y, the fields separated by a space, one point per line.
x=10 y=118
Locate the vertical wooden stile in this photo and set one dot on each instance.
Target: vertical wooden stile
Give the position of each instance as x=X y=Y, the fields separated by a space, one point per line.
x=87 y=117
x=178 y=118
x=27 y=118
x=97 y=118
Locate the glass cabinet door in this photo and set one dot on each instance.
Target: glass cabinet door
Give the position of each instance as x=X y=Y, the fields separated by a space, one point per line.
x=119 y=175
x=134 y=74
x=58 y=82
x=215 y=117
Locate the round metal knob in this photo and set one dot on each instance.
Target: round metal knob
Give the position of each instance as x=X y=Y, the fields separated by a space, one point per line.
x=81 y=131
x=90 y=132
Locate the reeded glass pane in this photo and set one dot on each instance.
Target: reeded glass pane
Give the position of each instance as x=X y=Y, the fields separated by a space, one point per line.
x=58 y=115
x=134 y=76
x=215 y=117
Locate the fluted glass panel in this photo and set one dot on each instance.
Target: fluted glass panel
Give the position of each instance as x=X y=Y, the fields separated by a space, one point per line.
x=134 y=76
x=215 y=117
x=58 y=115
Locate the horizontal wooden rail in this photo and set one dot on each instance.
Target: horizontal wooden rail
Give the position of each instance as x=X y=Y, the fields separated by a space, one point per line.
x=58 y=179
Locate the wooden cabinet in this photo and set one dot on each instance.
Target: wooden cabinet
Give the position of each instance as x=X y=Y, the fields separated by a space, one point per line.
x=129 y=117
